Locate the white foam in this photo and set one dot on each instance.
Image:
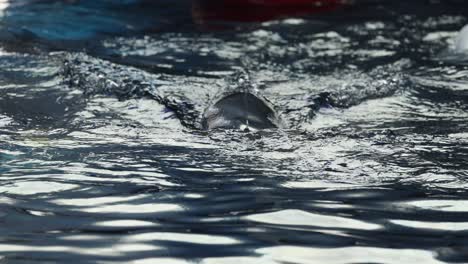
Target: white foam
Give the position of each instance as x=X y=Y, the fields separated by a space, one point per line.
x=461 y=44
x=4 y=4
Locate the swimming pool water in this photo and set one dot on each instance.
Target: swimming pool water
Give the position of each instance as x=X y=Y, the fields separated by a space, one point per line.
x=103 y=158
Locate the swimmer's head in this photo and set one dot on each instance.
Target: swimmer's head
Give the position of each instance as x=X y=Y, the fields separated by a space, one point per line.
x=242 y=111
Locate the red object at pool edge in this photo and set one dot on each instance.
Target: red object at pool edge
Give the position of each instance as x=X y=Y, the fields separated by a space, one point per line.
x=275 y=2
x=205 y=11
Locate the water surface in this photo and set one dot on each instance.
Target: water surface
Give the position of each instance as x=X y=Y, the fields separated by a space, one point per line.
x=104 y=159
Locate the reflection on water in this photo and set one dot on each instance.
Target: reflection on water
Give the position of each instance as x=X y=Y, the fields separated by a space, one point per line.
x=104 y=159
